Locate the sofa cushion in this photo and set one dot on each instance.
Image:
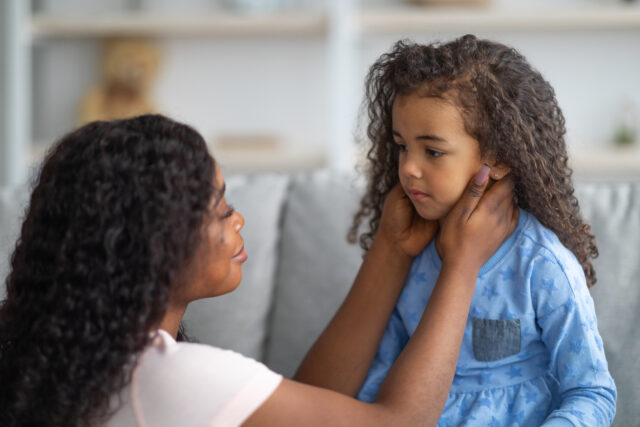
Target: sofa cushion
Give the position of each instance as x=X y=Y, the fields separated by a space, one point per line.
x=316 y=265
x=613 y=210
x=238 y=320
x=13 y=202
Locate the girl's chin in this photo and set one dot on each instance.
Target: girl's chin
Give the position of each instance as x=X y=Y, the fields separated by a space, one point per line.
x=428 y=213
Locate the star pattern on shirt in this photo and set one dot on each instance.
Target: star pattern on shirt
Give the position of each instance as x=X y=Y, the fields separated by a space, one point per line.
x=508 y=274
x=530 y=397
x=477 y=313
x=420 y=277
x=508 y=314
x=519 y=417
x=569 y=370
x=549 y=285
x=484 y=402
x=465 y=410
x=576 y=345
x=485 y=377
x=553 y=296
x=578 y=414
x=570 y=305
x=490 y=292
x=514 y=372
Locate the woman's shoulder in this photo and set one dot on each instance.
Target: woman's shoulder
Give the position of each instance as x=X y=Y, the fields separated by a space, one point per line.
x=201 y=361
x=199 y=379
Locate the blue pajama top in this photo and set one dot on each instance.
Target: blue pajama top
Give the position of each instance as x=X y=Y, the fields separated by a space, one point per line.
x=531 y=353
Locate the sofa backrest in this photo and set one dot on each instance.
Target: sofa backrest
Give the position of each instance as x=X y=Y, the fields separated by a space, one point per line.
x=300 y=268
x=316 y=268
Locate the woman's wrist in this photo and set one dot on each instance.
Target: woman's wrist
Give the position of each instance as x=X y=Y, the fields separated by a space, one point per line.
x=391 y=246
x=461 y=267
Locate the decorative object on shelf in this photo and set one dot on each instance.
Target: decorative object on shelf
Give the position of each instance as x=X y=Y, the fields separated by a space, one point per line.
x=451 y=2
x=626 y=131
x=257 y=5
x=129 y=68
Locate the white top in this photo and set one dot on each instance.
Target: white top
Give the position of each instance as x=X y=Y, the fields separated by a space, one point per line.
x=185 y=384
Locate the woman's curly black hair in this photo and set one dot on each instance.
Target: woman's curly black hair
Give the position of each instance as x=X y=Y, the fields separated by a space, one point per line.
x=507 y=106
x=115 y=216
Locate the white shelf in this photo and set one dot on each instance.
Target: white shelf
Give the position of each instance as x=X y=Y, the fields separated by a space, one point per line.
x=416 y=18
x=281 y=159
x=377 y=20
x=615 y=162
x=219 y=24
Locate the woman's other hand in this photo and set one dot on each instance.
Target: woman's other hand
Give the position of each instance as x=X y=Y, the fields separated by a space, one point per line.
x=479 y=223
x=402 y=227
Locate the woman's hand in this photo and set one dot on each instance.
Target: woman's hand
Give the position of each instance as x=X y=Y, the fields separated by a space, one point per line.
x=402 y=227
x=478 y=224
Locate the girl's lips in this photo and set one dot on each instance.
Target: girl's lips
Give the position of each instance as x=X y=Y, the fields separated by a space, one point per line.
x=240 y=256
x=417 y=195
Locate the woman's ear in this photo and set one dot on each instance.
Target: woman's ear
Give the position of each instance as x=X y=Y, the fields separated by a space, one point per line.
x=499 y=171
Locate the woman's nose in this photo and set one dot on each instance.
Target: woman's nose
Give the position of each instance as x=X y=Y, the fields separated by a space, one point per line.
x=238 y=221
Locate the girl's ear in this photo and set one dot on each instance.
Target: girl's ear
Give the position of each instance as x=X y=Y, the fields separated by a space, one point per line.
x=499 y=171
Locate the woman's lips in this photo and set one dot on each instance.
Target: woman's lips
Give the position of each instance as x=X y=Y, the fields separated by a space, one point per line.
x=240 y=256
x=417 y=195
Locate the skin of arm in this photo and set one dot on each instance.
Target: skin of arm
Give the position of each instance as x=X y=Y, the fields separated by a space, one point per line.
x=416 y=388
x=340 y=358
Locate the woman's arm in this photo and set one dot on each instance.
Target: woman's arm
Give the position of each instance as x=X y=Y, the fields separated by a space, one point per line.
x=416 y=388
x=340 y=358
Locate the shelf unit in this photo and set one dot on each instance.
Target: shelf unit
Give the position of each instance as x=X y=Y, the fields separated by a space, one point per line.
x=342 y=26
x=141 y=24
x=413 y=19
x=366 y=21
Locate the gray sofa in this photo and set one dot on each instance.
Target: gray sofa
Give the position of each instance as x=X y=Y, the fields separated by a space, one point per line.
x=300 y=268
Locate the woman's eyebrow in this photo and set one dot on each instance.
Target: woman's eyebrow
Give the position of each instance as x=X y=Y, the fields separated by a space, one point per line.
x=220 y=194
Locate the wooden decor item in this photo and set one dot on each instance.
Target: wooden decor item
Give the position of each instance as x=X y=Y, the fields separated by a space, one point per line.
x=129 y=68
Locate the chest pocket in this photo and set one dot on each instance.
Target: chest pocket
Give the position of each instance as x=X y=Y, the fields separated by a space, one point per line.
x=495 y=339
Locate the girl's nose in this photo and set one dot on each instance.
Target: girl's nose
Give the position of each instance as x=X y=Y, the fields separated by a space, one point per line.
x=410 y=167
x=238 y=221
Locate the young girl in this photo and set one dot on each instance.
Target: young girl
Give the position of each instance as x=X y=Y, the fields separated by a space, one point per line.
x=531 y=353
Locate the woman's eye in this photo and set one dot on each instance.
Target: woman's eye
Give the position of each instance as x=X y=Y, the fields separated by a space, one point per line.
x=228 y=212
x=434 y=153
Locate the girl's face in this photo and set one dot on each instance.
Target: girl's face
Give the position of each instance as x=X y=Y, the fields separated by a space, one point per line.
x=217 y=267
x=437 y=157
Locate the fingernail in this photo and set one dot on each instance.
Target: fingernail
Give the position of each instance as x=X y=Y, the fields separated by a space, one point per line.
x=482 y=175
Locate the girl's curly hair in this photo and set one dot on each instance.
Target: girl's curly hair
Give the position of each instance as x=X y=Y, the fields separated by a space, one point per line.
x=115 y=216
x=506 y=105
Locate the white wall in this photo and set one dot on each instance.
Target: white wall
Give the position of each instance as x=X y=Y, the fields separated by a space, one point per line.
x=592 y=72
x=278 y=85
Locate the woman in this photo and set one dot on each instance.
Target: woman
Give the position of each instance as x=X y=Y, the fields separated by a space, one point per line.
x=128 y=223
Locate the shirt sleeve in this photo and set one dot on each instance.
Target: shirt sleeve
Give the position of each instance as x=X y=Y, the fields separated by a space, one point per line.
x=566 y=316
x=197 y=385
x=393 y=341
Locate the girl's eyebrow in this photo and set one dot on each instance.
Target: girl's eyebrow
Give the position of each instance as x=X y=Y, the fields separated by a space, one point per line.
x=426 y=137
x=433 y=138
x=220 y=194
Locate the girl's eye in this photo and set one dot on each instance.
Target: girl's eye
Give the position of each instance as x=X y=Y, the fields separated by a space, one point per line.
x=228 y=212
x=434 y=153
x=400 y=147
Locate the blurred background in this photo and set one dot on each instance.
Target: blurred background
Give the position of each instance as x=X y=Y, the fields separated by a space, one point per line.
x=275 y=85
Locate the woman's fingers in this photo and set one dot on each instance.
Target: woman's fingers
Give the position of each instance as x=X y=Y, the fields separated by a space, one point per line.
x=470 y=198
